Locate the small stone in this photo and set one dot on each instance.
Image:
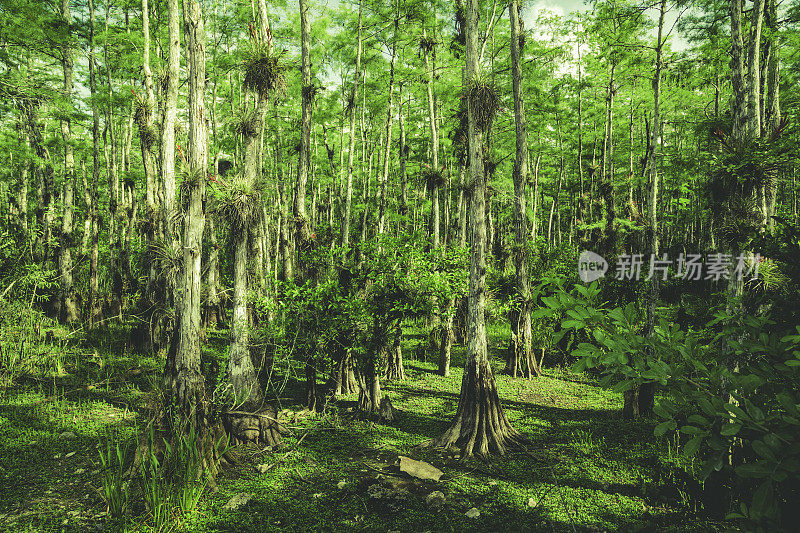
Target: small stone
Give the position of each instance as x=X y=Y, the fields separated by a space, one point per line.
x=70 y=454
x=341 y=485
x=435 y=499
x=264 y=468
x=68 y=435
x=532 y=502
x=473 y=513
x=237 y=501
x=419 y=469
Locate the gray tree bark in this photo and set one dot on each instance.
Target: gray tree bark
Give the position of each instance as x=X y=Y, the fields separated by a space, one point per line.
x=188 y=384
x=521 y=352
x=352 y=133
x=480 y=425
x=68 y=311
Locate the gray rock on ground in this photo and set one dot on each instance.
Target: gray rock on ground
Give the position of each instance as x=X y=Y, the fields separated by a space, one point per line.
x=238 y=501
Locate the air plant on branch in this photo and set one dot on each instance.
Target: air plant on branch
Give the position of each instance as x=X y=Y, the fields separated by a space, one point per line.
x=263 y=70
x=483 y=101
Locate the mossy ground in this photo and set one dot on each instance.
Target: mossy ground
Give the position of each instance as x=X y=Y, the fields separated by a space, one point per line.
x=585 y=469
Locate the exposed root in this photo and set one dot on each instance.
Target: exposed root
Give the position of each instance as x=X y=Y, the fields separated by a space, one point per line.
x=480 y=427
x=261 y=427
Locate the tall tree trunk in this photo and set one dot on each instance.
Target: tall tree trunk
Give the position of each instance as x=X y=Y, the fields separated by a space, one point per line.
x=352 y=132
x=68 y=311
x=22 y=183
x=87 y=200
x=434 y=184
x=754 y=70
x=447 y=337
x=740 y=107
x=480 y=426
x=188 y=384
x=394 y=356
x=301 y=226
x=304 y=156
x=772 y=121
x=557 y=193
x=45 y=206
x=169 y=214
x=639 y=400
x=521 y=351
x=145 y=116
x=110 y=148
x=214 y=312
x=285 y=241
x=388 y=135
x=241 y=372
x=403 y=209
x=94 y=311
x=369 y=384
x=167 y=146
x=464 y=195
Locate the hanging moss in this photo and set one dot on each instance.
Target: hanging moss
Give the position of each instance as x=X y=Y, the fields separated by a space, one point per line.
x=310 y=92
x=427 y=45
x=433 y=178
x=489 y=167
x=350 y=101
x=263 y=72
x=148 y=136
x=459 y=133
x=141 y=112
x=148 y=223
x=483 y=100
x=460 y=38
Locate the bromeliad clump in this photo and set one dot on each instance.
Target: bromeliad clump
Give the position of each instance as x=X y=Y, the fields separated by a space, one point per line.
x=263 y=71
x=240 y=205
x=427 y=45
x=142 y=116
x=433 y=178
x=246 y=124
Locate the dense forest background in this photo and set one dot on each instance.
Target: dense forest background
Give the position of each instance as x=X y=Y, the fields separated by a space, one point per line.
x=208 y=209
